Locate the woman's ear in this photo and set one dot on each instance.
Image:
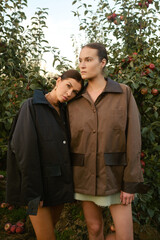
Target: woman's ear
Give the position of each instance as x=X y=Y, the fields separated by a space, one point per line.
x=103 y=62
x=58 y=81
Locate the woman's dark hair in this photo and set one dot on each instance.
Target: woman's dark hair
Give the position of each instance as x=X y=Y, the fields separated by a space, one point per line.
x=73 y=74
x=102 y=53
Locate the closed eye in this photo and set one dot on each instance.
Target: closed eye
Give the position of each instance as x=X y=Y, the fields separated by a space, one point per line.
x=75 y=92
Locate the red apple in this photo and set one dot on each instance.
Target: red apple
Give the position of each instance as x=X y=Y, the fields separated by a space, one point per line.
x=121 y=18
x=123 y=60
x=20 y=224
x=143 y=163
x=135 y=53
x=130 y=59
x=150 y=1
x=7 y=226
x=143 y=155
x=21 y=76
x=27 y=87
x=144 y=91
x=13 y=228
x=140 y=4
x=143 y=74
x=147 y=4
x=109 y=17
x=154 y=91
x=151 y=66
x=3 y=205
x=114 y=15
x=148 y=71
x=11 y=207
x=1 y=177
x=115 y=22
x=19 y=229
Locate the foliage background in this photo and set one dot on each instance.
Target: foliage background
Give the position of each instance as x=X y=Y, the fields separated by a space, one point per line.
x=130 y=31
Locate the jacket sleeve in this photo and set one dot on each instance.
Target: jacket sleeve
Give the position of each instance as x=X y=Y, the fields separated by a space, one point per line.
x=24 y=144
x=133 y=177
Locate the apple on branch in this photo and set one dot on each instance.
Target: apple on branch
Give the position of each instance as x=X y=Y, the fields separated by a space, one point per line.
x=154 y=91
x=143 y=155
x=144 y=91
x=151 y=66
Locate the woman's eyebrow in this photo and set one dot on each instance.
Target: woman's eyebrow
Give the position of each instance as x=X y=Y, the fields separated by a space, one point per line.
x=86 y=57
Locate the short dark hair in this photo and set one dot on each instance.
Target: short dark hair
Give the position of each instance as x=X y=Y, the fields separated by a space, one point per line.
x=102 y=53
x=73 y=74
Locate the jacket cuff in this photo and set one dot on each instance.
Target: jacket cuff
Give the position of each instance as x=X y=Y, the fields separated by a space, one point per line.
x=134 y=187
x=33 y=206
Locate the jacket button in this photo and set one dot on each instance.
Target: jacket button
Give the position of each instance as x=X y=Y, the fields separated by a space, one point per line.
x=94 y=131
x=94 y=110
x=64 y=142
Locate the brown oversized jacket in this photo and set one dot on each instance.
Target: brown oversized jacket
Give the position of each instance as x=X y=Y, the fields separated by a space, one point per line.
x=106 y=142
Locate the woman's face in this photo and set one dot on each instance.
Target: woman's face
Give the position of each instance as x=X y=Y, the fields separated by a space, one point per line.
x=89 y=63
x=67 y=89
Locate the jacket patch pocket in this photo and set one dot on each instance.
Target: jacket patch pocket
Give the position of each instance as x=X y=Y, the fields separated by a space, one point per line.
x=115 y=159
x=77 y=159
x=52 y=171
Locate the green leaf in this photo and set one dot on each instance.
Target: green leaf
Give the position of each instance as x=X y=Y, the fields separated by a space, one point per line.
x=74 y=2
x=150 y=212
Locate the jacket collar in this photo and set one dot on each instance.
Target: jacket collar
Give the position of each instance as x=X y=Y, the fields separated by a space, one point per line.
x=111 y=87
x=39 y=98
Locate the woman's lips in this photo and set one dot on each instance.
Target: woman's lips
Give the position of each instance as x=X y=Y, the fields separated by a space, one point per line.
x=65 y=98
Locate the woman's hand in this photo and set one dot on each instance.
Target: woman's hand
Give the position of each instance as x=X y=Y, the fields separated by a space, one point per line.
x=126 y=198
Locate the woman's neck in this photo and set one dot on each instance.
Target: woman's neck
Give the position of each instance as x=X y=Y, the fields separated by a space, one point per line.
x=96 y=84
x=52 y=98
x=95 y=87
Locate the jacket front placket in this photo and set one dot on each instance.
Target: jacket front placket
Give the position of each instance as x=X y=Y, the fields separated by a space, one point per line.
x=94 y=154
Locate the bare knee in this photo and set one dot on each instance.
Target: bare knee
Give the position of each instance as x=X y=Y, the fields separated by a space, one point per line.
x=95 y=229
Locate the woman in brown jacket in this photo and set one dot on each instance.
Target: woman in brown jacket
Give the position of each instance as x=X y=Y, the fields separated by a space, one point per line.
x=105 y=147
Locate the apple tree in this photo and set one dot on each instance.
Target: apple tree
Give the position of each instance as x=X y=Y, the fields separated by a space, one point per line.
x=130 y=30
x=21 y=53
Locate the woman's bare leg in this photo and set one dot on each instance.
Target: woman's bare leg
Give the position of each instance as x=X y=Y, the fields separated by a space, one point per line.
x=94 y=220
x=44 y=222
x=122 y=218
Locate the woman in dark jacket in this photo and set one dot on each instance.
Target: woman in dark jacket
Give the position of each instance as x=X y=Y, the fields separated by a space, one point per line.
x=38 y=166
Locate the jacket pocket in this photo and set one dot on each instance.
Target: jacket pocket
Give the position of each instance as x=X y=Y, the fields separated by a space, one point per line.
x=77 y=159
x=52 y=171
x=115 y=159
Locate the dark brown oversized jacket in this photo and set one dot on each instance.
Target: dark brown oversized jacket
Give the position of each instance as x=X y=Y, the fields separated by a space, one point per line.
x=106 y=142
